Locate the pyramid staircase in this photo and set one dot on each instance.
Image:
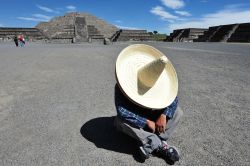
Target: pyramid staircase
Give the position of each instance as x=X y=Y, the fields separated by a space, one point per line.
x=94 y=34
x=226 y=37
x=176 y=39
x=241 y=34
x=221 y=33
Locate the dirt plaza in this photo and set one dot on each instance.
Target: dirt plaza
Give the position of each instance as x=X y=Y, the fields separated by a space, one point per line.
x=57 y=104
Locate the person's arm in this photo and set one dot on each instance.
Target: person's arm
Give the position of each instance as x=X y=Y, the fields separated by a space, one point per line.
x=170 y=110
x=130 y=117
x=161 y=122
x=124 y=106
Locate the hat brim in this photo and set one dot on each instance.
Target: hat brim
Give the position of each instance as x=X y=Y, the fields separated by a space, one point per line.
x=129 y=61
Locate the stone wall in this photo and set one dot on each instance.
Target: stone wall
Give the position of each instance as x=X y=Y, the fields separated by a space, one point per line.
x=7 y=34
x=174 y=35
x=105 y=29
x=135 y=35
x=221 y=32
x=58 y=27
x=227 y=33
x=186 y=35
x=94 y=34
x=207 y=34
x=241 y=34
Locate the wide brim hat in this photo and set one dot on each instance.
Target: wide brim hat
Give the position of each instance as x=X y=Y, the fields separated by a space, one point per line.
x=146 y=76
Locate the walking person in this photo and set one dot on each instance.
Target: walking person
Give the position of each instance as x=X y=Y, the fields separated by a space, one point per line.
x=21 y=40
x=146 y=100
x=16 y=41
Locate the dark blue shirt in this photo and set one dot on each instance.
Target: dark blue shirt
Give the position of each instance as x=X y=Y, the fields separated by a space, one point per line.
x=136 y=115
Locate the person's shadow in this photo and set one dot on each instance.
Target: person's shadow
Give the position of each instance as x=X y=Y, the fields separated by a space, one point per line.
x=102 y=132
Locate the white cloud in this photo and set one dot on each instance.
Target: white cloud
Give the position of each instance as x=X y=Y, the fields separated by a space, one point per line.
x=47 y=9
x=222 y=17
x=71 y=8
x=36 y=17
x=29 y=19
x=1 y=25
x=41 y=16
x=235 y=6
x=125 y=27
x=159 y=11
x=173 y=4
x=118 y=21
x=183 y=13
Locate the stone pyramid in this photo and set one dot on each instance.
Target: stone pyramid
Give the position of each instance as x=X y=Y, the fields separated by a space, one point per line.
x=80 y=26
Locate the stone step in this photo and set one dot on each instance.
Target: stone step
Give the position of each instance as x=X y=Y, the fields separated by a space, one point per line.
x=241 y=34
x=221 y=33
x=178 y=36
x=134 y=31
x=139 y=34
x=226 y=37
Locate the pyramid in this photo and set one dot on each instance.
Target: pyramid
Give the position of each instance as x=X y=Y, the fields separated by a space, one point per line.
x=78 y=26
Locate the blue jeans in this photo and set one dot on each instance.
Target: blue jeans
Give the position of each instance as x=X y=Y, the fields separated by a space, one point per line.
x=22 y=43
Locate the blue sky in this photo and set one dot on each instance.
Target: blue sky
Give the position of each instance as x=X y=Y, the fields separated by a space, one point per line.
x=160 y=15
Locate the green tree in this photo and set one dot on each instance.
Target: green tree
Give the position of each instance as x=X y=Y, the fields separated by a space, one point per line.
x=155 y=32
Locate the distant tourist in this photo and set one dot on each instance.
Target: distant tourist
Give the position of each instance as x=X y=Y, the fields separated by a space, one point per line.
x=146 y=100
x=21 y=40
x=16 y=41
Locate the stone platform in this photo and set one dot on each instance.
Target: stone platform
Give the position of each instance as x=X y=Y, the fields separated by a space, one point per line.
x=221 y=33
x=227 y=33
x=134 y=35
x=8 y=33
x=241 y=34
x=186 y=35
x=80 y=27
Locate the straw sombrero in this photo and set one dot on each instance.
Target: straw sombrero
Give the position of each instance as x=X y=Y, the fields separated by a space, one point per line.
x=146 y=76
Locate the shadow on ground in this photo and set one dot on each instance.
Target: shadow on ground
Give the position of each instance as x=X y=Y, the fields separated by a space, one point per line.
x=103 y=134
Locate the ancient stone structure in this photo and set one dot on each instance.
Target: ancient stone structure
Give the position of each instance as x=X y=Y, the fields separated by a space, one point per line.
x=78 y=27
x=241 y=33
x=222 y=33
x=186 y=35
x=32 y=34
x=134 y=35
x=227 y=33
x=84 y=27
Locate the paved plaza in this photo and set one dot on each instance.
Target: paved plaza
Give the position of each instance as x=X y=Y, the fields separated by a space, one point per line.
x=57 y=105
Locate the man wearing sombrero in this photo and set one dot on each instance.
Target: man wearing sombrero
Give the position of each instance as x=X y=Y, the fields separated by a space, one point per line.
x=146 y=100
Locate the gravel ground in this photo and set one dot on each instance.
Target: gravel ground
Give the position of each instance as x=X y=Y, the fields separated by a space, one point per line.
x=57 y=105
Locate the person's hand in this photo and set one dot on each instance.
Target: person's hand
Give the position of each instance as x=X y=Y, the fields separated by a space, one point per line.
x=151 y=125
x=160 y=124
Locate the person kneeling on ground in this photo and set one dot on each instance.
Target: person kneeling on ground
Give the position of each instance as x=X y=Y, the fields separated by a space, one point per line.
x=147 y=102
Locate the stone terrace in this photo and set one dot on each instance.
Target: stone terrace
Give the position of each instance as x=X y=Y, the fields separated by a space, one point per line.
x=227 y=33
x=189 y=34
x=136 y=35
x=9 y=33
x=241 y=34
